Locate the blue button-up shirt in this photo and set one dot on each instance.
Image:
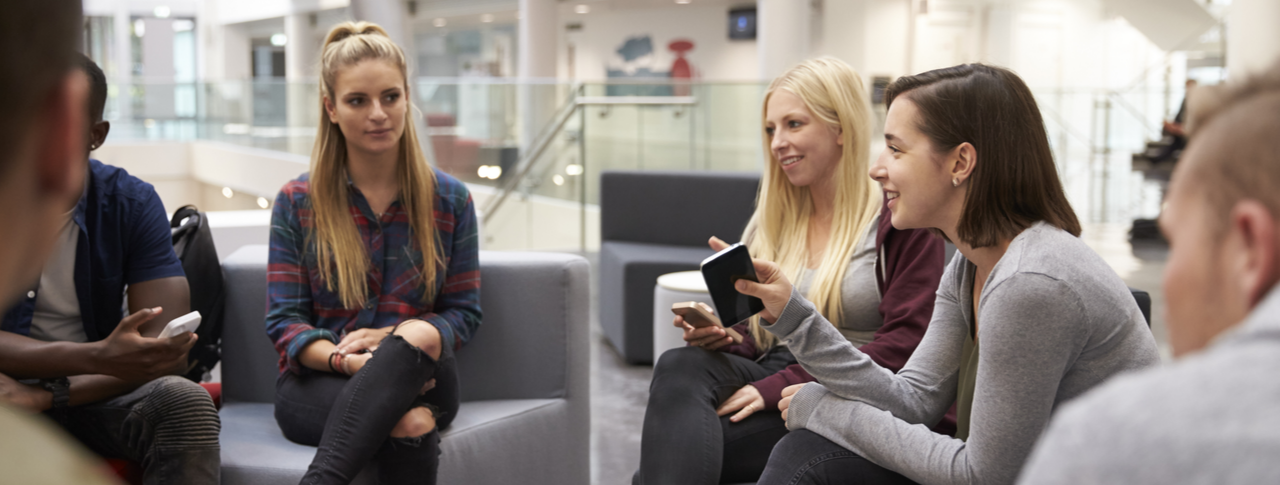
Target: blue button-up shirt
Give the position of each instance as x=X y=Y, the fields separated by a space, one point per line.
x=124 y=240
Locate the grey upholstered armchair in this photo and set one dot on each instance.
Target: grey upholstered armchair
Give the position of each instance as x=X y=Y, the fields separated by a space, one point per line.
x=525 y=414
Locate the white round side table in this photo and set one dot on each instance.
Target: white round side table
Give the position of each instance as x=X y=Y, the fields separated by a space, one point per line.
x=674 y=288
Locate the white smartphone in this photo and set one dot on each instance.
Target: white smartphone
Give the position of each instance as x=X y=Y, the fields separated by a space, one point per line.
x=186 y=323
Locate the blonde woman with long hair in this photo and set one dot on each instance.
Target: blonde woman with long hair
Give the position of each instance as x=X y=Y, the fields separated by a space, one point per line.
x=373 y=279
x=713 y=406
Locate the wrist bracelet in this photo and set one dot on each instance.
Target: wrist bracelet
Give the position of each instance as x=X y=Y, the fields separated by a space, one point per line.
x=333 y=368
x=343 y=364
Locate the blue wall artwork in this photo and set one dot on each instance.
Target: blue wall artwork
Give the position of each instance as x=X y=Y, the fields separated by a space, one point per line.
x=637 y=63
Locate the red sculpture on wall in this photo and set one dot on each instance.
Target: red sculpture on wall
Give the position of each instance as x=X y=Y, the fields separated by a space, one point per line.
x=680 y=69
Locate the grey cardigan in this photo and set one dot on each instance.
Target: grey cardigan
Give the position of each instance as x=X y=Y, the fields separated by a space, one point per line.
x=1209 y=418
x=1054 y=321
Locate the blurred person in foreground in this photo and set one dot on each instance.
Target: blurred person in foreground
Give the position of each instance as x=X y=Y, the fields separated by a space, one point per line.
x=103 y=376
x=42 y=103
x=1210 y=417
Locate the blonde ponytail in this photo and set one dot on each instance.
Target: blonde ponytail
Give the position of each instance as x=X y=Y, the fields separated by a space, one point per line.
x=342 y=259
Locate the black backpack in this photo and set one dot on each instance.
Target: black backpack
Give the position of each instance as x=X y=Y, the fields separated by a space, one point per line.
x=193 y=243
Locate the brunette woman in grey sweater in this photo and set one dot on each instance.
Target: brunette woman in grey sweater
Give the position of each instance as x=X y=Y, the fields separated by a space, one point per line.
x=1026 y=317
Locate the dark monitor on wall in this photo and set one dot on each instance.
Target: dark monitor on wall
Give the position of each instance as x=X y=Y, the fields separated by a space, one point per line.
x=742 y=24
x=878 y=86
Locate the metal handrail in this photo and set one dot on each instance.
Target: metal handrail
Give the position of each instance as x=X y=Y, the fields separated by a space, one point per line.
x=529 y=160
x=526 y=162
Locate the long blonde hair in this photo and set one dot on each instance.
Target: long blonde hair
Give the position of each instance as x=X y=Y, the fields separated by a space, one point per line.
x=341 y=254
x=778 y=230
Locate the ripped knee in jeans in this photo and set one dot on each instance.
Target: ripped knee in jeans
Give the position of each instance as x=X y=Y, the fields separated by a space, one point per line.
x=422 y=335
x=416 y=424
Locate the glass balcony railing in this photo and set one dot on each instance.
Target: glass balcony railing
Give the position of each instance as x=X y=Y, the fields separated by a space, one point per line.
x=477 y=130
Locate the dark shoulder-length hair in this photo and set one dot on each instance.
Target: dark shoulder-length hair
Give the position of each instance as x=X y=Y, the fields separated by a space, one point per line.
x=1015 y=183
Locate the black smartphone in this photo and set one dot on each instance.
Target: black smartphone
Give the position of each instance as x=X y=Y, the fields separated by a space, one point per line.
x=721 y=271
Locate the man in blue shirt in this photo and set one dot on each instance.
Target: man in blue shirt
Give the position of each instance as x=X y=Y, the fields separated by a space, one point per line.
x=123 y=398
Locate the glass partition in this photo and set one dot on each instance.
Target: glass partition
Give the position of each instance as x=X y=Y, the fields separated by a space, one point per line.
x=478 y=130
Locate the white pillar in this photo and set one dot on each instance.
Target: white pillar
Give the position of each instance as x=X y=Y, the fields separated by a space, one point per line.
x=158 y=68
x=390 y=14
x=302 y=50
x=844 y=33
x=1000 y=26
x=536 y=64
x=782 y=35
x=1253 y=40
x=301 y=58
x=537 y=45
x=121 y=73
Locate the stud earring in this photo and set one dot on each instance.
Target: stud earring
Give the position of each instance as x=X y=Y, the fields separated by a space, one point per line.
x=955 y=182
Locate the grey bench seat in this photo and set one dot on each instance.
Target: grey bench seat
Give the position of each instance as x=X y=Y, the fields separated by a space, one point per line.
x=525 y=413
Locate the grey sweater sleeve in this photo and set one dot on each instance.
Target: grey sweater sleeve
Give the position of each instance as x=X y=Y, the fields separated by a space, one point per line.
x=1029 y=335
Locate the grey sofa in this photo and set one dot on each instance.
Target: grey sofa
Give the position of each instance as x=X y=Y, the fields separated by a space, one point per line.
x=653 y=223
x=525 y=415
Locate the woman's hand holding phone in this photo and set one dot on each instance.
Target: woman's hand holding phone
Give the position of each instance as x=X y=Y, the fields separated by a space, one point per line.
x=774 y=290
x=711 y=337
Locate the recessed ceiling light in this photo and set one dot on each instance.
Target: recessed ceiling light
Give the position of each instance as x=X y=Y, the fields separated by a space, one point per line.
x=684 y=2
x=486 y=18
x=582 y=9
x=279 y=40
x=440 y=22
x=162 y=12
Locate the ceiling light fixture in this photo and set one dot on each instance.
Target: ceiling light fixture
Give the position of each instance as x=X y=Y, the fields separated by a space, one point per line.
x=440 y=22
x=582 y=9
x=486 y=18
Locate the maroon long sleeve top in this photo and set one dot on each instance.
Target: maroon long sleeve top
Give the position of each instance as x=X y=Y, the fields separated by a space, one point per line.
x=908 y=276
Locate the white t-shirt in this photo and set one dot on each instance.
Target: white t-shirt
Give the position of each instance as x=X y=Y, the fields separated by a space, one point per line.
x=57 y=311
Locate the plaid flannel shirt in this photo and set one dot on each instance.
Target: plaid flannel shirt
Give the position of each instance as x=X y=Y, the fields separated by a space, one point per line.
x=300 y=307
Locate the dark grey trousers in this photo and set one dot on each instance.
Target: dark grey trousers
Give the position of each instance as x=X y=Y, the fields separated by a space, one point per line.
x=804 y=457
x=683 y=441
x=169 y=425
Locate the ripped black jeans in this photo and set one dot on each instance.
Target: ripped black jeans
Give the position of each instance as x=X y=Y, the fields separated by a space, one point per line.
x=350 y=418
